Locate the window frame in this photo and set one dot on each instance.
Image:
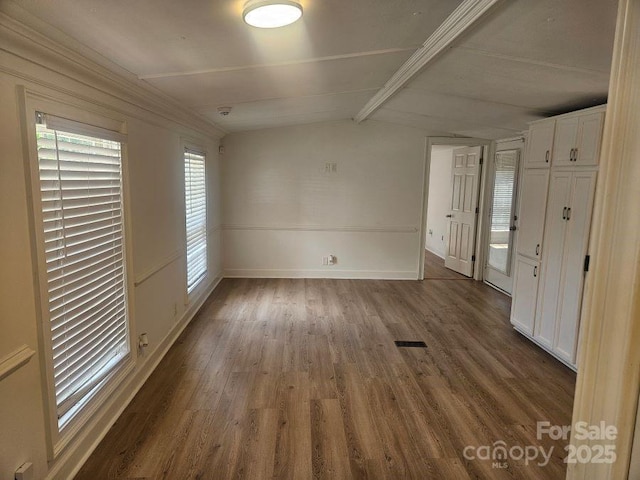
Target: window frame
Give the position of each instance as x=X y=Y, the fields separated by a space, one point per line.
x=94 y=116
x=194 y=148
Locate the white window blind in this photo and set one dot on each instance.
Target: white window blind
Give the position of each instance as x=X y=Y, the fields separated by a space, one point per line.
x=81 y=193
x=196 y=217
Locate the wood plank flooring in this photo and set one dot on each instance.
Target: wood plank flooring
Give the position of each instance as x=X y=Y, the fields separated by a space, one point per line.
x=300 y=379
x=434 y=269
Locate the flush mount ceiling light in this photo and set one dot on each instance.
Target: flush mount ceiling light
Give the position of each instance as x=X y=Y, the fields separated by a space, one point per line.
x=271 y=13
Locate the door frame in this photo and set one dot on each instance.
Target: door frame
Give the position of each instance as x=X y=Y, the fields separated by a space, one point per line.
x=488 y=149
x=503 y=144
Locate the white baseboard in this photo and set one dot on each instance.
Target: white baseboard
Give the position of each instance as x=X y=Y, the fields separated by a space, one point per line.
x=439 y=254
x=324 y=273
x=70 y=462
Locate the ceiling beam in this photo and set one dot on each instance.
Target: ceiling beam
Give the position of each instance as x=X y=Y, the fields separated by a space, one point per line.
x=462 y=18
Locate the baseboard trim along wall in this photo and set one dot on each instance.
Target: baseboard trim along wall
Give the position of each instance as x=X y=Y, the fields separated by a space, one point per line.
x=439 y=254
x=70 y=462
x=328 y=273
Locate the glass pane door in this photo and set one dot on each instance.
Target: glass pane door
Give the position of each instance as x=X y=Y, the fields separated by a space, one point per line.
x=502 y=210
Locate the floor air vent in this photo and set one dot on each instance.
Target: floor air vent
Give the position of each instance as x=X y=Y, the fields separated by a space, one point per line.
x=412 y=344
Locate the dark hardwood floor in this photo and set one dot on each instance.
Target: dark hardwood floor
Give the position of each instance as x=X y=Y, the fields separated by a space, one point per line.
x=300 y=379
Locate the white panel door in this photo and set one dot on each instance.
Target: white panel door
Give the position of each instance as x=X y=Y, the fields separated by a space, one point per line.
x=565 y=141
x=533 y=202
x=525 y=292
x=550 y=280
x=462 y=216
x=540 y=144
x=590 y=133
x=583 y=185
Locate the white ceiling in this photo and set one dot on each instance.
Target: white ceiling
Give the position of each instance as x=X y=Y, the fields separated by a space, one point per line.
x=526 y=59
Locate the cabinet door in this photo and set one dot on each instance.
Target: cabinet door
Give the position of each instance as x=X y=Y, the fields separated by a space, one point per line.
x=554 y=234
x=533 y=202
x=525 y=291
x=540 y=144
x=583 y=185
x=566 y=139
x=589 y=136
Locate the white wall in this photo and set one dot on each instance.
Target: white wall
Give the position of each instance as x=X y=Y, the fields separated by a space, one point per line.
x=282 y=212
x=157 y=219
x=439 y=200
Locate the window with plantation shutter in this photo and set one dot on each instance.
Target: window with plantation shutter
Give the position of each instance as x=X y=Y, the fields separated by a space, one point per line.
x=82 y=218
x=196 y=217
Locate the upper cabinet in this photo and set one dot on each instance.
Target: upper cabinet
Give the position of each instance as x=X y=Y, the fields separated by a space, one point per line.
x=589 y=138
x=577 y=140
x=571 y=140
x=540 y=144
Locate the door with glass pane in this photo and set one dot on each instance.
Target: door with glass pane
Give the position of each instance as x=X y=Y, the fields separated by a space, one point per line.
x=499 y=258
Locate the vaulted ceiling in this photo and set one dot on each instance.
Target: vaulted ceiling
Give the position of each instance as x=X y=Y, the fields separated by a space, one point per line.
x=523 y=60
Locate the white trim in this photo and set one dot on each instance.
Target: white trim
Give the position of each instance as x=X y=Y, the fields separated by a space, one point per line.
x=13 y=361
x=460 y=21
x=325 y=273
x=326 y=228
x=30 y=102
x=519 y=138
x=30 y=39
x=303 y=61
x=68 y=465
x=150 y=272
x=437 y=254
x=608 y=379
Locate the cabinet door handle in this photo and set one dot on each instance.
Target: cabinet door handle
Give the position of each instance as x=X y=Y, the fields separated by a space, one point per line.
x=571 y=155
x=538 y=249
x=535 y=271
x=546 y=157
x=575 y=154
x=448 y=216
x=569 y=213
x=564 y=213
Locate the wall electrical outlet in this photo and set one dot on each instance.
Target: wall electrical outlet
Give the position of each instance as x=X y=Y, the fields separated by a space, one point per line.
x=330 y=167
x=329 y=260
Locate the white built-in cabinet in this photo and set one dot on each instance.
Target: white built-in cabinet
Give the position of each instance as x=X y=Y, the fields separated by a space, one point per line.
x=540 y=144
x=523 y=307
x=533 y=204
x=554 y=219
x=577 y=140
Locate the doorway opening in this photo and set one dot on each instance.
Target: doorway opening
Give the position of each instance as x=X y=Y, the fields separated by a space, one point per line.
x=452 y=215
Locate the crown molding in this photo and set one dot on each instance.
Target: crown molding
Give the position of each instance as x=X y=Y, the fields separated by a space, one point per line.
x=56 y=52
x=460 y=21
